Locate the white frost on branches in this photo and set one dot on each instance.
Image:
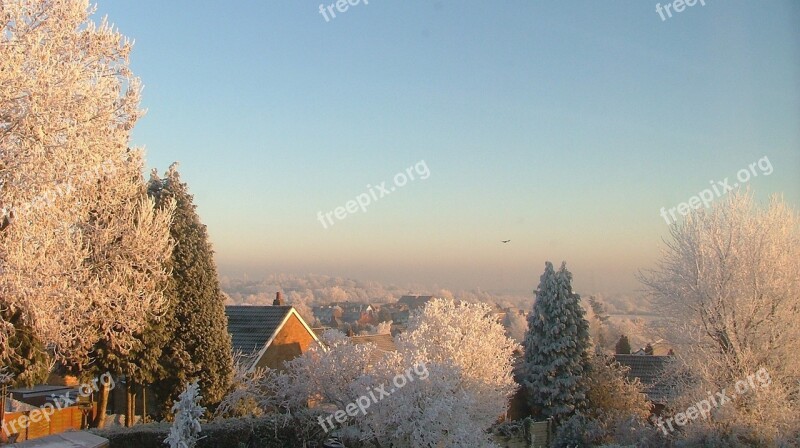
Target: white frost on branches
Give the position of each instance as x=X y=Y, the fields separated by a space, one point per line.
x=467 y=357
x=82 y=246
x=5 y=377
x=469 y=383
x=186 y=428
x=729 y=279
x=466 y=336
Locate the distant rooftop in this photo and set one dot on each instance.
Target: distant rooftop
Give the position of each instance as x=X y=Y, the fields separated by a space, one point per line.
x=414 y=301
x=383 y=343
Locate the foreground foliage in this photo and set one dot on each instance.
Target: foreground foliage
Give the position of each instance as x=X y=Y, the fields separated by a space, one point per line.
x=82 y=245
x=447 y=384
x=730 y=276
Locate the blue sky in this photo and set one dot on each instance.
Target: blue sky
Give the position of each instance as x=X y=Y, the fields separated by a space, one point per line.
x=563 y=126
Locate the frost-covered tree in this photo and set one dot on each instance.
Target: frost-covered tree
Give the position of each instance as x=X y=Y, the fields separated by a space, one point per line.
x=328 y=376
x=599 y=322
x=556 y=346
x=332 y=372
x=302 y=304
x=730 y=277
x=82 y=244
x=468 y=337
x=449 y=381
x=432 y=410
x=198 y=343
x=384 y=327
x=185 y=430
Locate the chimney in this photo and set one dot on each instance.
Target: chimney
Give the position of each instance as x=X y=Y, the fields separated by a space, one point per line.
x=278 y=299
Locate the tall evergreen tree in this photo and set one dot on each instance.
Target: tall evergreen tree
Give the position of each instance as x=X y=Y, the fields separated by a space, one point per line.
x=556 y=347
x=199 y=347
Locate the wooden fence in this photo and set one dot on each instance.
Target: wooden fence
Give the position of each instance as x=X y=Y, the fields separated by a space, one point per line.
x=25 y=428
x=539 y=432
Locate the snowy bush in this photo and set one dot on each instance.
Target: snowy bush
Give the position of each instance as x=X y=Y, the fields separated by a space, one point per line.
x=186 y=427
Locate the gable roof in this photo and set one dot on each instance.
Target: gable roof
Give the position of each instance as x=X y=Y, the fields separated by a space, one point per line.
x=383 y=343
x=253 y=328
x=652 y=371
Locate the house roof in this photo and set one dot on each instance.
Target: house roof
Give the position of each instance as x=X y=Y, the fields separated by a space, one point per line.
x=660 y=348
x=383 y=343
x=253 y=328
x=652 y=371
x=415 y=301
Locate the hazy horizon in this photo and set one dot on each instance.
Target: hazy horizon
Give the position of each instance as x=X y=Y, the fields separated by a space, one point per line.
x=564 y=128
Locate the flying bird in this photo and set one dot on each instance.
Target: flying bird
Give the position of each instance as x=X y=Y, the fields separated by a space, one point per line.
x=505 y=241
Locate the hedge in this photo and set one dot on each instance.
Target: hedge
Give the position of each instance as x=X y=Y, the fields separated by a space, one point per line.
x=264 y=432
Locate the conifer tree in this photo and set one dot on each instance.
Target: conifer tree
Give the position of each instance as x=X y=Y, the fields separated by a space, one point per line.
x=27 y=361
x=623 y=346
x=556 y=347
x=199 y=345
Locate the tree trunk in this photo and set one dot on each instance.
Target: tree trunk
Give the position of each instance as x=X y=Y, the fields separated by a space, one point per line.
x=130 y=409
x=144 y=405
x=102 y=406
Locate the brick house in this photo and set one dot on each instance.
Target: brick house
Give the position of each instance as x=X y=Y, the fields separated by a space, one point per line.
x=268 y=336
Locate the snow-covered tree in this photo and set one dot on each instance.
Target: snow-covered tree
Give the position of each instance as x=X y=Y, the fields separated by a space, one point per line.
x=185 y=430
x=432 y=410
x=599 y=322
x=384 y=327
x=468 y=337
x=82 y=244
x=333 y=372
x=259 y=391
x=302 y=304
x=198 y=344
x=556 y=346
x=449 y=381
x=730 y=278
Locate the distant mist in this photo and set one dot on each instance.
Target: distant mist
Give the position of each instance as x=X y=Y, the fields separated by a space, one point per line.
x=314 y=289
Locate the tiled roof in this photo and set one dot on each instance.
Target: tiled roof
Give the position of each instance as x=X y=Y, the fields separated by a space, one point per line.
x=252 y=326
x=383 y=343
x=652 y=371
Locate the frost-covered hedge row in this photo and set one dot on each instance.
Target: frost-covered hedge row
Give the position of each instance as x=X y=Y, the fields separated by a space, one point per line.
x=231 y=433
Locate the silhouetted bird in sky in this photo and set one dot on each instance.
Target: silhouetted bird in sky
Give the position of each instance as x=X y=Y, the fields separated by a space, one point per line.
x=505 y=241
